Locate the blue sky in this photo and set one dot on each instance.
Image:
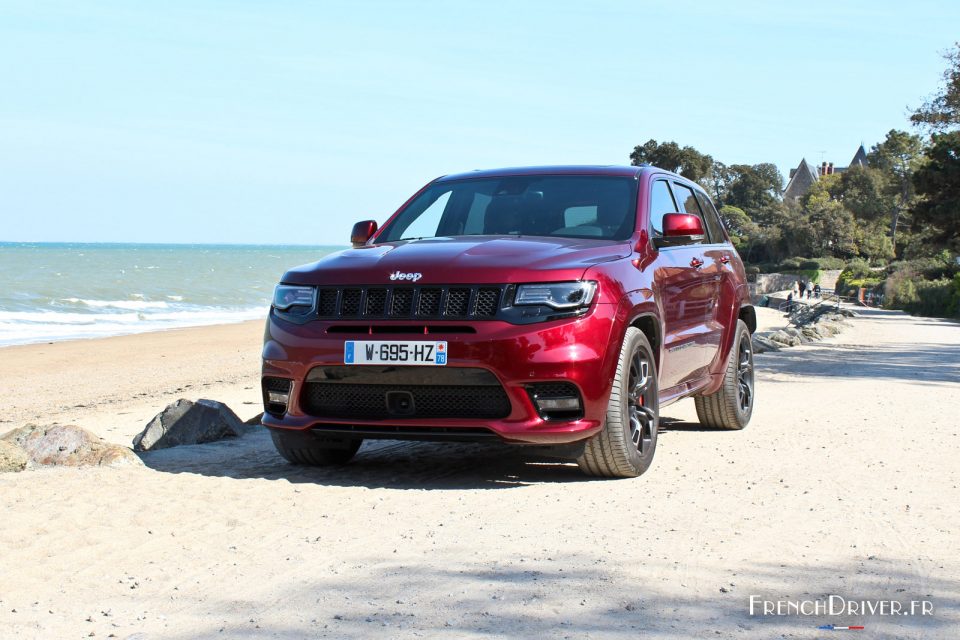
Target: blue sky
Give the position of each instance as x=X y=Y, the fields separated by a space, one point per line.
x=243 y=121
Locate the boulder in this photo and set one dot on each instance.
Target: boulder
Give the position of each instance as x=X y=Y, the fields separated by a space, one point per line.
x=828 y=328
x=186 y=422
x=12 y=457
x=784 y=339
x=762 y=344
x=69 y=446
x=812 y=333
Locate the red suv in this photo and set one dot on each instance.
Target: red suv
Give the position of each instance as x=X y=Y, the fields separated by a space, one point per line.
x=557 y=306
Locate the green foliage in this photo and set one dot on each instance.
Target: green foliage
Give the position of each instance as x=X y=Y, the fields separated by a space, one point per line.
x=912 y=293
x=686 y=161
x=857 y=268
x=864 y=192
x=856 y=274
x=897 y=158
x=874 y=244
x=942 y=110
x=740 y=227
x=751 y=188
x=938 y=184
x=935 y=267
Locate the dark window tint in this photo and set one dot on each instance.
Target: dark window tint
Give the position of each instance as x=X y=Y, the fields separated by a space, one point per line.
x=661 y=203
x=688 y=201
x=714 y=225
x=600 y=207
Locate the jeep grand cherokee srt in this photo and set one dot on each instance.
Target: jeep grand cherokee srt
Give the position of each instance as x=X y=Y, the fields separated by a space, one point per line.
x=559 y=306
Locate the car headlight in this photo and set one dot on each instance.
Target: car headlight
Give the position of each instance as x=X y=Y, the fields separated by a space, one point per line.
x=558 y=295
x=294 y=299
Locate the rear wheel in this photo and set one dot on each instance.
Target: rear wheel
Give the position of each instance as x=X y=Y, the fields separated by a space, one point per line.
x=310 y=448
x=732 y=405
x=625 y=446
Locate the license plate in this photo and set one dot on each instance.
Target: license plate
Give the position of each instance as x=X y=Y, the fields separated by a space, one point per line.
x=394 y=352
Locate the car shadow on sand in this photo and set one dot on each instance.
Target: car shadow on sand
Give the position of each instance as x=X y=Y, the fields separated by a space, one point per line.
x=379 y=463
x=385 y=463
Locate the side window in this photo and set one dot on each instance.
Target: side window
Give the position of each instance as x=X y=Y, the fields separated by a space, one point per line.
x=688 y=201
x=426 y=224
x=714 y=224
x=661 y=203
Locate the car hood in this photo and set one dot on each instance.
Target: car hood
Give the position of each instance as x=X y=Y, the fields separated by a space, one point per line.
x=462 y=260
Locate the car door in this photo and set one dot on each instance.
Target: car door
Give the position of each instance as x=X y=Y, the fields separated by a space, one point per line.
x=720 y=259
x=679 y=281
x=700 y=339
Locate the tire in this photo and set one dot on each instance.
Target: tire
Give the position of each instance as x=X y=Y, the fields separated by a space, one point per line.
x=625 y=446
x=732 y=405
x=309 y=448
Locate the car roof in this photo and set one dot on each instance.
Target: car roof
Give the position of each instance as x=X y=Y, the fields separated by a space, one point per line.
x=554 y=170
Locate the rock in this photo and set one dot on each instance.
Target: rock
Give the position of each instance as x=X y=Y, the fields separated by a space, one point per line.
x=186 y=422
x=828 y=328
x=12 y=457
x=255 y=420
x=784 y=339
x=69 y=446
x=812 y=333
x=762 y=344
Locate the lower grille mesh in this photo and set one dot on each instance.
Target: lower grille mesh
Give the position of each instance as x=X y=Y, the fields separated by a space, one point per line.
x=369 y=401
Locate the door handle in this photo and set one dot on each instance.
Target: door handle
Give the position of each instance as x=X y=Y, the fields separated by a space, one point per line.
x=724 y=259
x=696 y=263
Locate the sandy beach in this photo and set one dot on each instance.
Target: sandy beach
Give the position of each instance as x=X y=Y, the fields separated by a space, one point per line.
x=845 y=483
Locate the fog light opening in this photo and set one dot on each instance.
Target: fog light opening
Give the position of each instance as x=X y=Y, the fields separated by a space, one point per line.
x=558 y=404
x=276 y=395
x=556 y=400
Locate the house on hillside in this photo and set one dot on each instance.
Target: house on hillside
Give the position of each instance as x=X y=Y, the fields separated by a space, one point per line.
x=804 y=176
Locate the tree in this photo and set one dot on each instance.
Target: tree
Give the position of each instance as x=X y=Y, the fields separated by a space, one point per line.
x=742 y=230
x=938 y=184
x=863 y=191
x=897 y=157
x=753 y=188
x=718 y=182
x=942 y=110
x=686 y=161
x=828 y=229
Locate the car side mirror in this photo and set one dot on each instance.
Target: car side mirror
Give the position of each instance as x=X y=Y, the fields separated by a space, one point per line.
x=680 y=229
x=362 y=231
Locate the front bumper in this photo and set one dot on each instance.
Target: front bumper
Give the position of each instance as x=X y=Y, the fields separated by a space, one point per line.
x=582 y=351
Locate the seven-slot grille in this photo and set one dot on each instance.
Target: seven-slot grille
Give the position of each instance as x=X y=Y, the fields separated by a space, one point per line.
x=406 y=302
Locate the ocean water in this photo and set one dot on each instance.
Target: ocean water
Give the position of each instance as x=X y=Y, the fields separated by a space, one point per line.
x=62 y=291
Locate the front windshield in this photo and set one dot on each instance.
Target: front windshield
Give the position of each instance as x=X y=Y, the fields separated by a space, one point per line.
x=596 y=207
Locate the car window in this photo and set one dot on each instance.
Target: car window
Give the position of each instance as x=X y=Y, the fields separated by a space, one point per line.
x=478 y=208
x=688 y=201
x=661 y=203
x=425 y=226
x=576 y=216
x=575 y=206
x=714 y=225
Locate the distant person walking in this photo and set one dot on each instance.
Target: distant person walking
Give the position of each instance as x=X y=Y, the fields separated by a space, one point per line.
x=816 y=290
x=801 y=287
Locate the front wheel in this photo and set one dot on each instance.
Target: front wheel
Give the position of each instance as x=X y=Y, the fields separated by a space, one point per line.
x=625 y=446
x=732 y=405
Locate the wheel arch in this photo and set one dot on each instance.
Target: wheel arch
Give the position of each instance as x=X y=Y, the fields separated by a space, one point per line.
x=650 y=325
x=749 y=316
